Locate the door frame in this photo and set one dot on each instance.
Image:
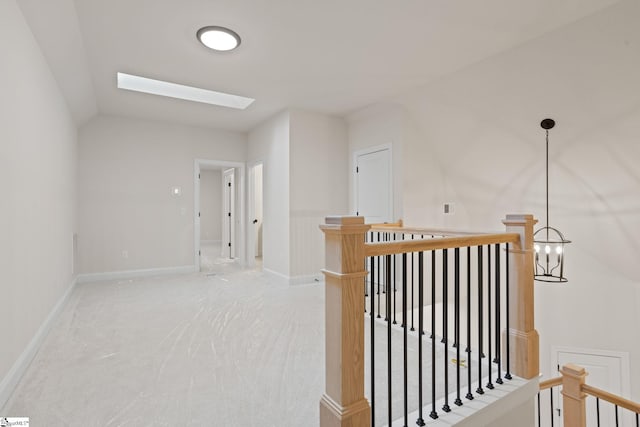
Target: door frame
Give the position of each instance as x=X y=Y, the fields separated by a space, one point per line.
x=229 y=213
x=354 y=175
x=198 y=165
x=251 y=244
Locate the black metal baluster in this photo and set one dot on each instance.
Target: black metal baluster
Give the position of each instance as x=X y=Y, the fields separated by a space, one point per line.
x=489 y=362
x=616 y=415
x=539 y=421
x=551 y=399
x=372 y=365
x=404 y=338
x=445 y=327
x=378 y=316
x=469 y=365
x=388 y=304
x=413 y=260
x=394 y=285
x=498 y=358
x=366 y=289
x=456 y=253
x=434 y=413
x=508 y=335
x=422 y=305
x=637 y=420
x=479 y=390
x=598 y=410
x=420 y=420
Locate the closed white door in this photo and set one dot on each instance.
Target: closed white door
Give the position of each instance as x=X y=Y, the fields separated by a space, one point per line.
x=373 y=185
x=605 y=372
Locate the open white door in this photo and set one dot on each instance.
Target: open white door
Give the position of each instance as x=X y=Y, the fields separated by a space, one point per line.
x=254 y=235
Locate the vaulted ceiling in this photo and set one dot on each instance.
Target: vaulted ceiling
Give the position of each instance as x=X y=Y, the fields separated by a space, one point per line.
x=333 y=57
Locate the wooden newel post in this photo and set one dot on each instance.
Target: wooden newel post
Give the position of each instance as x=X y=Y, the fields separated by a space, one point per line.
x=343 y=403
x=524 y=339
x=573 y=402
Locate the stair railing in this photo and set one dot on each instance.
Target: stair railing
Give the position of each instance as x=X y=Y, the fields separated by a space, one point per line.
x=349 y=259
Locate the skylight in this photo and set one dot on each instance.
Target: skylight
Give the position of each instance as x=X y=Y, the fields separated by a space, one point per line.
x=174 y=90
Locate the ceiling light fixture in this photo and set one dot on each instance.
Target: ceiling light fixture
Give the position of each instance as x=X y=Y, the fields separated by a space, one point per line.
x=217 y=38
x=174 y=90
x=549 y=242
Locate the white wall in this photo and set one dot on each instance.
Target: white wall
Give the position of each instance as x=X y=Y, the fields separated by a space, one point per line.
x=38 y=149
x=482 y=126
x=318 y=188
x=127 y=168
x=211 y=205
x=269 y=144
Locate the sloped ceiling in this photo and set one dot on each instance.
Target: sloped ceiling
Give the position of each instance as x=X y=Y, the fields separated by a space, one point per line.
x=333 y=57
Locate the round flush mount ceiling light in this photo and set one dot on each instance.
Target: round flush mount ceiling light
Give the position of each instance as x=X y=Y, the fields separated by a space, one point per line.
x=218 y=38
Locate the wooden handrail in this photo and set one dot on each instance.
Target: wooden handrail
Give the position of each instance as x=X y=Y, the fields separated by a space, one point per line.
x=553 y=382
x=394 y=228
x=611 y=398
x=384 y=225
x=405 y=246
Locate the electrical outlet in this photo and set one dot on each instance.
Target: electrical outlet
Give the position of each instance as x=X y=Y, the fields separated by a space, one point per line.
x=448 y=208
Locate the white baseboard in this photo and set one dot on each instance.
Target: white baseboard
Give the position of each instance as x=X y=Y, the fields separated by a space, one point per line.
x=509 y=404
x=295 y=280
x=10 y=381
x=211 y=242
x=306 y=279
x=278 y=277
x=132 y=274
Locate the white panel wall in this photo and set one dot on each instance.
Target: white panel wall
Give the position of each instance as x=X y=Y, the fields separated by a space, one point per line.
x=318 y=164
x=211 y=205
x=269 y=143
x=129 y=219
x=38 y=150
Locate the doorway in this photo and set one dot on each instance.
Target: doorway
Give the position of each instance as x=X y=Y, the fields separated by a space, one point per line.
x=230 y=247
x=373 y=184
x=211 y=217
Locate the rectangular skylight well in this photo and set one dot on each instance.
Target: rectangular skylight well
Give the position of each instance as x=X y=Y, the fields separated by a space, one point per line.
x=174 y=90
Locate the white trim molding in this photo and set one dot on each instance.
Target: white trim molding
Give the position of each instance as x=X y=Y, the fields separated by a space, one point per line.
x=293 y=280
x=132 y=274
x=306 y=279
